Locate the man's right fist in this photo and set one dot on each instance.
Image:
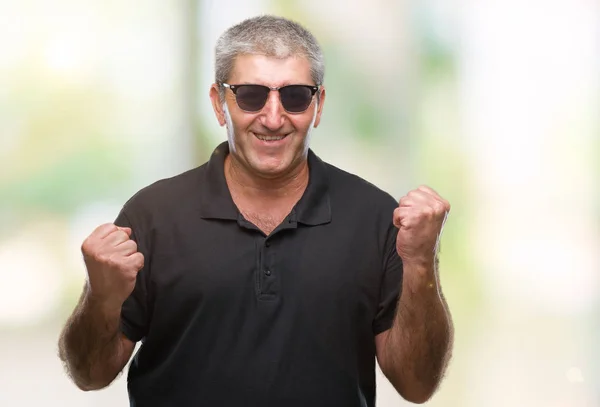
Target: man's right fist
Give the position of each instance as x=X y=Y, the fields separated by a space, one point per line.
x=112 y=263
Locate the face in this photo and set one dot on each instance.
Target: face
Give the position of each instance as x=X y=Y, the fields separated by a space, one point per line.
x=270 y=142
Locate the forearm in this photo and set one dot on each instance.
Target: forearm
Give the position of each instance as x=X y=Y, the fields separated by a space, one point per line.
x=90 y=345
x=419 y=343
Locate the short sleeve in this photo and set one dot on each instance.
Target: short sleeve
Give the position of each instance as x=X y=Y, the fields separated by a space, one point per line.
x=391 y=284
x=134 y=313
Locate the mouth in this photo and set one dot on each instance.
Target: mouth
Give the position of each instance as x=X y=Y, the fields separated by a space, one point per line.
x=269 y=139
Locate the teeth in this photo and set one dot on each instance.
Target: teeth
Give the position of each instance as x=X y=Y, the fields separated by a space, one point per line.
x=269 y=138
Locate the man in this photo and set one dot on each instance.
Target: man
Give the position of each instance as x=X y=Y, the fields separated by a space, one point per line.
x=265 y=277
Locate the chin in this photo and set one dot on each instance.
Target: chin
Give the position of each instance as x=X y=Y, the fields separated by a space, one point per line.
x=272 y=166
x=271 y=163
x=270 y=170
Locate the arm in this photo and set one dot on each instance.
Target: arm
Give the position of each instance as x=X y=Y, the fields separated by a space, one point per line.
x=414 y=353
x=91 y=345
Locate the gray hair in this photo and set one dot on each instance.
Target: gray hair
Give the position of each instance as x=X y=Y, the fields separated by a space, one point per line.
x=270 y=36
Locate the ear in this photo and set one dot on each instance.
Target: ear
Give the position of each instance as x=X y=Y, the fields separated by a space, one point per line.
x=320 y=106
x=216 y=104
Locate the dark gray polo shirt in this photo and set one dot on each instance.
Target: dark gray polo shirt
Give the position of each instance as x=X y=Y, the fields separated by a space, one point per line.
x=230 y=317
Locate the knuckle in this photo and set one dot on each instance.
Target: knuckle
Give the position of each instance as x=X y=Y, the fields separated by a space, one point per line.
x=125 y=244
x=90 y=249
x=130 y=247
x=440 y=207
x=140 y=260
x=106 y=227
x=86 y=246
x=428 y=211
x=431 y=213
x=407 y=223
x=113 y=261
x=117 y=234
x=100 y=258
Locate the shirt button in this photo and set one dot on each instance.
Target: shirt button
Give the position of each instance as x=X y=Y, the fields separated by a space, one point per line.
x=268 y=272
x=268 y=244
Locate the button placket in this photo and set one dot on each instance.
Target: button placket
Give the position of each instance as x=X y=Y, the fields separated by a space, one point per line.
x=266 y=269
x=267 y=278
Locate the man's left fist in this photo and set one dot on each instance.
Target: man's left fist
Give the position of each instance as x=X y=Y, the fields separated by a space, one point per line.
x=420 y=218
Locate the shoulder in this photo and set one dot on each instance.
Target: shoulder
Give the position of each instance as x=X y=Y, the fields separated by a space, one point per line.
x=354 y=190
x=361 y=208
x=166 y=192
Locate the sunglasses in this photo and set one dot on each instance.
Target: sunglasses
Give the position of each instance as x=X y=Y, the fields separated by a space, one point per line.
x=252 y=98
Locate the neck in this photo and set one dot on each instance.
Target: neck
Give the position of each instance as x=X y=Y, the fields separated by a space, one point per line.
x=253 y=186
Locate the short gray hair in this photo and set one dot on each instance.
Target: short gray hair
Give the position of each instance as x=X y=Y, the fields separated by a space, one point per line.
x=270 y=36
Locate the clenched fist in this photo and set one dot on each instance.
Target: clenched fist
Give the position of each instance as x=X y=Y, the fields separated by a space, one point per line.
x=112 y=263
x=420 y=218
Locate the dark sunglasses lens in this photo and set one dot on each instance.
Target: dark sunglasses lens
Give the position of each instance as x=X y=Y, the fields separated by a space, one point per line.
x=251 y=98
x=296 y=98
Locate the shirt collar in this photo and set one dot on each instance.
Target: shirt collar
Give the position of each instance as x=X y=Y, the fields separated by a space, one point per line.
x=313 y=208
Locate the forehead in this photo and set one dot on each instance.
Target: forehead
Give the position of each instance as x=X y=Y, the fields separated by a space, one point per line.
x=270 y=71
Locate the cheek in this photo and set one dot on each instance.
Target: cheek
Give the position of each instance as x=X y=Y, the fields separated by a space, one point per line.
x=241 y=123
x=305 y=123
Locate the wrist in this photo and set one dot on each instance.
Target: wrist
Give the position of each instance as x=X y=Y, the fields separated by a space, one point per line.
x=420 y=276
x=107 y=307
x=425 y=262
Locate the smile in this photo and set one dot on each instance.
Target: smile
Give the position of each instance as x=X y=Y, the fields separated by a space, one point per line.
x=269 y=138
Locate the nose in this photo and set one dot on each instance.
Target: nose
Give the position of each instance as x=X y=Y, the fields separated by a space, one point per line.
x=272 y=114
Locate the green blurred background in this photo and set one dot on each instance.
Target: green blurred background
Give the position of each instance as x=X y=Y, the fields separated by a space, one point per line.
x=493 y=104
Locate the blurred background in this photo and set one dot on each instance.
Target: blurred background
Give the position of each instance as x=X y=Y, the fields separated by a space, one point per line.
x=495 y=104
